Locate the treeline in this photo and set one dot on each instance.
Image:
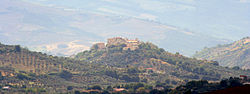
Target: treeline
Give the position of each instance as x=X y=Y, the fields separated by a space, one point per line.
x=191 y=87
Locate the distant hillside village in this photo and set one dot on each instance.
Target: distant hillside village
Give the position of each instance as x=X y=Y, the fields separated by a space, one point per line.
x=125 y=42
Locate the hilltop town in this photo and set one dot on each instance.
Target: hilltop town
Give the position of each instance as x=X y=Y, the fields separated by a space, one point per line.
x=131 y=44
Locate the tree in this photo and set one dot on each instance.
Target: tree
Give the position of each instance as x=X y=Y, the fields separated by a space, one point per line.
x=177 y=53
x=112 y=74
x=105 y=92
x=198 y=84
x=155 y=91
x=77 y=92
x=236 y=68
x=17 y=48
x=132 y=70
x=97 y=87
x=235 y=82
x=109 y=88
x=167 y=81
x=141 y=90
x=138 y=85
x=69 y=88
x=215 y=63
x=66 y=75
x=223 y=83
x=95 y=47
x=22 y=76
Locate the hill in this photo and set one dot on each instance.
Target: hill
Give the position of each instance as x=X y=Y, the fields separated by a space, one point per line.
x=150 y=64
x=20 y=58
x=26 y=70
x=234 y=54
x=121 y=61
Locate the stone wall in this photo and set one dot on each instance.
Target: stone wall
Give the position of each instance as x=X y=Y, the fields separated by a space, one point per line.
x=116 y=41
x=130 y=44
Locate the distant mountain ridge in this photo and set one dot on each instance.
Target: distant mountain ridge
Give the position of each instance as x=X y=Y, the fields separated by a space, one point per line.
x=234 y=54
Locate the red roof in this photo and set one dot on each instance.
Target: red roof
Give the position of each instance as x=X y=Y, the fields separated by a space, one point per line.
x=149 y=68
x=243 y=76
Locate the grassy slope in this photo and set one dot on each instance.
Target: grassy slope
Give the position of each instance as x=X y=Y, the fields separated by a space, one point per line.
x=234 y=54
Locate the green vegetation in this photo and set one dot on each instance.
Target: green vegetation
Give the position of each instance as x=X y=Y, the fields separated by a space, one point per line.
x=191 y=87
x=149 y=60
x=66 y=75
x=142 y=69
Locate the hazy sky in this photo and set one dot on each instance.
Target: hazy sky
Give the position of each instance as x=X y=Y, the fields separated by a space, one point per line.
x=221 y=18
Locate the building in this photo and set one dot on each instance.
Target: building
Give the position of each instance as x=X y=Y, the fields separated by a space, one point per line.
x=99 y=46
x=6 y=87
x=130 y=44
x=116 y=41
x=119 y=89
x=244 y=77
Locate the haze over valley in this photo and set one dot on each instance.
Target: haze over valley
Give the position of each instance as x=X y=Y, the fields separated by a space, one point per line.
x=176 y=25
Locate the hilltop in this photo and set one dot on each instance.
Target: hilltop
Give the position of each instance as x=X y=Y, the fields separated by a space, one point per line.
x=231 y=55
x=148 y=63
